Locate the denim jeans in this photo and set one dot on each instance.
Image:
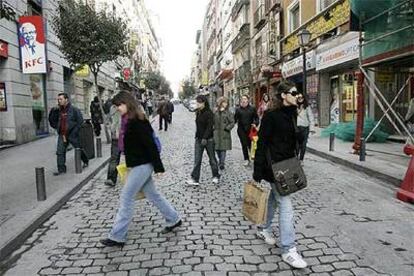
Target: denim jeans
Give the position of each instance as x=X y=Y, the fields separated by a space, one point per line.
x=286 y=222
x=114 y=161
x=61 y=153
x=221 y=154
x=198 y=158
x=139 y=179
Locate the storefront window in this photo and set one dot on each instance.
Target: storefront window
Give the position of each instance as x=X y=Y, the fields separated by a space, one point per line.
x=37 y=89
x=349 y=98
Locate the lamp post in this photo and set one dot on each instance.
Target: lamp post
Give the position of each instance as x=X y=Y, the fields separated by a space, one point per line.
x=304 y=39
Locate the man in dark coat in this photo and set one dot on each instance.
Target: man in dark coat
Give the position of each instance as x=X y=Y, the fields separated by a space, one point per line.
x=163 y=114
x=170 y=111
x=68 y=127
x=96 y=116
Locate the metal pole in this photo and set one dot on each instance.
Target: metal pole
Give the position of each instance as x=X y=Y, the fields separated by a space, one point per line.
x=304 y=72
x=78 y=164
x=40 y=183
x=362 y=150
x=98 y=147
x=331 y=141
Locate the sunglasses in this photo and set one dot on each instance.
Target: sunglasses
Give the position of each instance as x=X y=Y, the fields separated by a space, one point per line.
x=294 y=93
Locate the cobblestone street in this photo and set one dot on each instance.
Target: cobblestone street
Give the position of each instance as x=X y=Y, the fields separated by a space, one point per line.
x=346 y=222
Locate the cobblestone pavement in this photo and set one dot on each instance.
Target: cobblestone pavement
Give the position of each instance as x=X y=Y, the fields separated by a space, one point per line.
x=347 y=224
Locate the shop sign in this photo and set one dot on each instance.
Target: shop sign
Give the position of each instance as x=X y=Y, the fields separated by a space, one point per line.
x=4 y=49
x=3 y=101
x=295 y=66
x=336 y=16
x=82 y=71
x=385 y=77
x=32 y=44
x=337 y=55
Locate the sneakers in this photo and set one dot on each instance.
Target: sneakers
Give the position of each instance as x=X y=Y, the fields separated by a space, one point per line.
x=215 y=180
x=168 y=229
x=266 y=236
x=293 y=259
x=109 y=242
x=192 y=182
x=246 y=163
x=109 y=182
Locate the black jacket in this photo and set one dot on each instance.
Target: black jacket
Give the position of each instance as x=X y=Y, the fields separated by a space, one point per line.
x=74 y=123
x=204 y=124
x=245 y=117
x=140 y=147
x=277 y=133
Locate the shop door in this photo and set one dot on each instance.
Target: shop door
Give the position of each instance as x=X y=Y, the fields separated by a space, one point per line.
x=334 y=105
x=348 y=98
x=38 y=91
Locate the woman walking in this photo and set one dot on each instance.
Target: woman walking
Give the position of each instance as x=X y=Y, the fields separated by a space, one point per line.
x=305 y=122
x=246 y=118
x=277 y=142
x=223 y=124
x=142 y=157
x=204 y=141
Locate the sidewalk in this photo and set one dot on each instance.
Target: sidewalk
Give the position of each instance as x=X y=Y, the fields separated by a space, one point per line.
x=385 y=161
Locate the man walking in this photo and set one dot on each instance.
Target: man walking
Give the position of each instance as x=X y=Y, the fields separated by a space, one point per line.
x=115 y=120
x=69 y=123
x=163 y=113
x=170 y=111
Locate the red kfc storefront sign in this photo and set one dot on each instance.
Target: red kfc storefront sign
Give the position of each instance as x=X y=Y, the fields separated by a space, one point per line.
x=4 y=49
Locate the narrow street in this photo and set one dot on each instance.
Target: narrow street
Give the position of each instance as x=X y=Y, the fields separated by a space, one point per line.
x=347 y=224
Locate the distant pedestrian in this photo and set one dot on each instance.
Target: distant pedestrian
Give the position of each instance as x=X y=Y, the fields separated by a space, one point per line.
x=263 y=105
x=246 y=118
x=68 y=126
x=96 y=116
x=163 y=113
x=115 y=121
x=305 y=123
x=223 y=124
x=142 y=157
x=204 y=141
x=277 y=142
x=170 y=111
x=150 y=107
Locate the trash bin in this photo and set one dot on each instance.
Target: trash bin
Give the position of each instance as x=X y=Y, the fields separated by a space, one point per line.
x=87 y=138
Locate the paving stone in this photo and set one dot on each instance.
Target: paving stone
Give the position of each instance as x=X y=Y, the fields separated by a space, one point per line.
x=172 y=262
x=138 y=272
x=234 y=260
x=328 y=259
x=363 y=271
x=312 y=253
x=204 y=267
x=344 y=265
x=268 y=267
x=72 y=270
x=225 y=267
x=323 y=268
x=192 y=261
x=246 y=267
x=253 y=259
x=342 y=273
x=182 y=269
x=50 y=271
x=153 y=263
x=239 y=274
x=160 y=271
x=129 y=266
x=110 y=268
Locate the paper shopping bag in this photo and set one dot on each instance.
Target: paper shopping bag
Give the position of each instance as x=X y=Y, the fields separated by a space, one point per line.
x=255 y=200
x=123 y=174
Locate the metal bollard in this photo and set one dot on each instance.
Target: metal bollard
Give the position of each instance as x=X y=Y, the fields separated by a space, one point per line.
x=362 y=150
x=40 y=183
x=78 y=163
x=98 y=147
x=331 y=141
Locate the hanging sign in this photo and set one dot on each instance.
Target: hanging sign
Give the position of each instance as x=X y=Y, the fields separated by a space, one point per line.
x=295 y=66
x=3 y=101
x=32 y=44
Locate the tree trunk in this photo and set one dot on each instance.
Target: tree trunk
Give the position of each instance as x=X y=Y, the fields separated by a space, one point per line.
x=105 y=118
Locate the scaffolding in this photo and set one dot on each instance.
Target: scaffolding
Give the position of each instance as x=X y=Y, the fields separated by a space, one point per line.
x=386 y=32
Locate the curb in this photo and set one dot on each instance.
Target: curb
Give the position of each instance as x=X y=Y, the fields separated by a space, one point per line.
x=391 y=181
x=16 y=242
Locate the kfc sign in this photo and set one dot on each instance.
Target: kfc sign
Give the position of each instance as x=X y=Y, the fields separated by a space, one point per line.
x=4 y=49
x=32 y=44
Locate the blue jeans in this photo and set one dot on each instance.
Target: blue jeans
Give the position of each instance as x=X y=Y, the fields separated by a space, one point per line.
x=286 y=222
x=198 y=158
x=139 y=178
x=221 y=155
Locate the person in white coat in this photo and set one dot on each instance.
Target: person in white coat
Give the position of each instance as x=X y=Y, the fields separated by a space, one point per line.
x=304 y=123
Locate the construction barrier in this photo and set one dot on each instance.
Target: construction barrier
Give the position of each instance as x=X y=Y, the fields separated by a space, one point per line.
x=406 y=190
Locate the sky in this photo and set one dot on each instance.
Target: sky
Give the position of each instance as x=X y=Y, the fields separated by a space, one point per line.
x=178 y=22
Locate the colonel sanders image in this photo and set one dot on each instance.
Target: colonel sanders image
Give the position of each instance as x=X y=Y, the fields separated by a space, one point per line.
x=33 y=52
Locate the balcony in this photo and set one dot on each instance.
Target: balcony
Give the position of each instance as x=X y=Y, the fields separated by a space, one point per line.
x=259 y=17
x=241 y=39
x=270 y=5
x=237 y=7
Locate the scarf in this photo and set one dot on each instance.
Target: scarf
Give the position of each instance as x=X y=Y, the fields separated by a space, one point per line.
x=63 y=130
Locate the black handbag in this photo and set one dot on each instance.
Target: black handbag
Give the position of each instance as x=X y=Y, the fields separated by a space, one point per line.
x=288 y=175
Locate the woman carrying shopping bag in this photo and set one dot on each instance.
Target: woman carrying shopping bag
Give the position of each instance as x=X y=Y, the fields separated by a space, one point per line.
x=137 y=142
x=304 y=123
x=277 y=142
x=223 y=124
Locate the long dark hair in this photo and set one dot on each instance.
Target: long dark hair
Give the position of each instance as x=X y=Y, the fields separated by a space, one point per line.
x=134 y=110
x=305 y=102
x=276 y=101
x=203 y=99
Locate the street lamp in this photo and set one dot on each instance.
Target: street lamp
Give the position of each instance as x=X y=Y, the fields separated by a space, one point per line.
x=304 y=37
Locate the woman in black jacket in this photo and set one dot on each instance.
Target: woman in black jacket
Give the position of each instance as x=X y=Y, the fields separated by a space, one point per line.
x=246 y=117
x=136 y=141
x=277 y=141
x=204 y=140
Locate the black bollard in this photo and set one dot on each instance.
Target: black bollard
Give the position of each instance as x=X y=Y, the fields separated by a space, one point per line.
x=40 y=183
x=98 y=147
x=78 y=163
x=331 y=141
x=362 y=150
